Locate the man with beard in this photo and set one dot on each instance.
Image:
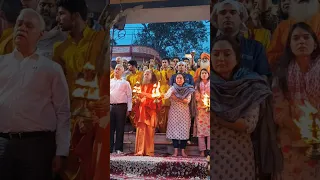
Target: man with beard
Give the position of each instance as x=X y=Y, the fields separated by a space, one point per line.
x=52 y=34
x=146 y=123
x=82 y=46
x=10 y=10
x=229 y=17
x=272 y=13
x=204 y=64
x=30 y=4
x=165 y=74
x=300 y=11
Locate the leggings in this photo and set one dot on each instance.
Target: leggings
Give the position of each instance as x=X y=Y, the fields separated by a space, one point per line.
x=182 y=145
x=202 y=143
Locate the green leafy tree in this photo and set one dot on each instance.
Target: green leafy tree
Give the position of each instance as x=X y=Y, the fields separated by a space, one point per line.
x=172 y=39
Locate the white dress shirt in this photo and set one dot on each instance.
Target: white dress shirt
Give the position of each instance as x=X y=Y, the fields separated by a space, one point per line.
x=34 y=96
x=120 y=92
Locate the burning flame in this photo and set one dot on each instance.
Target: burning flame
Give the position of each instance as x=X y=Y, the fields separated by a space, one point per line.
x=206 y=100
x=308 y=125
x=137 y=88
x=156 y=90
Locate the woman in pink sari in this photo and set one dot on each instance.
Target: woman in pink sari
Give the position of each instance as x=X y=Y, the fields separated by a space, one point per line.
x=297 y=81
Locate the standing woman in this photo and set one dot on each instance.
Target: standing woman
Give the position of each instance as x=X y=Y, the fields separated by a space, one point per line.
x=239 y=100
x=297 y=80
x=179 y=118
x=202 y=125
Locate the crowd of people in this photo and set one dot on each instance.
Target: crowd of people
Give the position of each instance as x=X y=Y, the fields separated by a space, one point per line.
x=45 y=47
x=178 y=111
x=265 y=78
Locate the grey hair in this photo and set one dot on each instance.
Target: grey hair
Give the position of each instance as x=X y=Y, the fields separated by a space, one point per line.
x=120 y=66
x=31 y=11
x=238 y=6
x=181 y=62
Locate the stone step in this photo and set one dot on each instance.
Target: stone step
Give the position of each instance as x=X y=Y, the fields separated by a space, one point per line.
x=162 y=144
x=159 y=167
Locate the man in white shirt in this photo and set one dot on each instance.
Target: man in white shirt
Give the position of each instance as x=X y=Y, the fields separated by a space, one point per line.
x=120 y=107
x=34 y=107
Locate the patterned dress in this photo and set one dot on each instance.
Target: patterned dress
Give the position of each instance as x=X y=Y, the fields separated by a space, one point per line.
x=202 y=125
x=179 y=118
x=232 y=155
x=302 y=86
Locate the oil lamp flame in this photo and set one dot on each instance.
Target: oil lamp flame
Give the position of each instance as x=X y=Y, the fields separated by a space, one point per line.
x=137 y=88
x=156 y=90
x=306 y=123
x=309 y=129
x=206 y=100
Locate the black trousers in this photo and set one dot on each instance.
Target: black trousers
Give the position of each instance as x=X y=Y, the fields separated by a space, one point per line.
x=118 y=114
x=27 y=158
x=181 y=145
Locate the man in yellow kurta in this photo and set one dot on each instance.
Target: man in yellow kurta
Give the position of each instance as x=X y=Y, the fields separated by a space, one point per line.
x=152 y=66
x=189 y=66
x=82 y=46
x=10 y=10
x=300 y=11
x=134 y=77
x=165 y=74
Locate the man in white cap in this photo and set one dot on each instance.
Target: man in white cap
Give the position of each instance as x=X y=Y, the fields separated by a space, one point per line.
x=229 y=17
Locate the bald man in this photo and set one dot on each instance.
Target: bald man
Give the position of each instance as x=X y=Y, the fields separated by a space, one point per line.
x=34 y=109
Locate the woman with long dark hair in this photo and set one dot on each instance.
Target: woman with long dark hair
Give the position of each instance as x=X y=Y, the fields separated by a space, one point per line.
x=243 y=131
x=296 y=84
x=202 y=121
